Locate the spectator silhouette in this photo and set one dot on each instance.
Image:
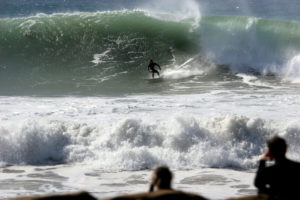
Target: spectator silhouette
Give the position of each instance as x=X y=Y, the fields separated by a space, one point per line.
x=161 y=179
x=281 y=180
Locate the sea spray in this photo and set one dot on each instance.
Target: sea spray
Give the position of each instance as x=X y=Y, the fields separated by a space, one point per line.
x=134 y=144
x=173 y=10
x=243 y=42
x=291 y=71
x=33 y=142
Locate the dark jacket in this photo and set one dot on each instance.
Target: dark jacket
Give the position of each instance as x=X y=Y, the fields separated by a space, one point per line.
x=279 y=180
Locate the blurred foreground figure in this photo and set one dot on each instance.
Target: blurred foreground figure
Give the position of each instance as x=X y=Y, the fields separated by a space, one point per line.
x=161 y=179
x=72 y=196
x=281 y=180
x=160 y=189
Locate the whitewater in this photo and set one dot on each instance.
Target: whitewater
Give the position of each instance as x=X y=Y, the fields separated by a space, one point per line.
x=80 y=111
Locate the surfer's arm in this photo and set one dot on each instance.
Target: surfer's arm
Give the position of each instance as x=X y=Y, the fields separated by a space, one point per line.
x=157 y=65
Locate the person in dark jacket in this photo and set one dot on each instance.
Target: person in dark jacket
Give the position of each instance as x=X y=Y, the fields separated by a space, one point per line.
x=281 y=180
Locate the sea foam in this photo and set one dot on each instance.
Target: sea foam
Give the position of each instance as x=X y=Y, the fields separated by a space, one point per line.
x=134 y=144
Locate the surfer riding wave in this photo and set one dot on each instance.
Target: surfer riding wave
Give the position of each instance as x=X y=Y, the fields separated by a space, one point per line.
x=151 y=68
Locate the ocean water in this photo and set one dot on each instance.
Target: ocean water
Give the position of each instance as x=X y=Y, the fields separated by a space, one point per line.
x=79 y=110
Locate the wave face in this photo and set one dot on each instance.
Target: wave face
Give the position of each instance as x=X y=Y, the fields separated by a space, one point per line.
x=85 y=51
x=133 y=144
x=107 y=52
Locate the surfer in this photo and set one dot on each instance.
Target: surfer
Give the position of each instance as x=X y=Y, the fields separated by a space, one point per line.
x=152 y=69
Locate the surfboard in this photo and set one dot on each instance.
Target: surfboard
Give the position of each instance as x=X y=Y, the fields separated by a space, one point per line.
x=155 y=79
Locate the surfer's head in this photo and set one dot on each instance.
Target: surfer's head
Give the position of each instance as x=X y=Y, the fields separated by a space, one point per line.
x=151 y=61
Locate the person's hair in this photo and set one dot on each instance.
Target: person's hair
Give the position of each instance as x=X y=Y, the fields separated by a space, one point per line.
x=165 y=176
x=277 y=147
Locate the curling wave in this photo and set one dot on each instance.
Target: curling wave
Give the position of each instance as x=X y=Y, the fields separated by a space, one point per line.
x=98 y=53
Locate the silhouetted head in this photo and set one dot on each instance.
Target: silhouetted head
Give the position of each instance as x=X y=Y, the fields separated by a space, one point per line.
x=151 y=61
x=162 y=178
x=277 y=147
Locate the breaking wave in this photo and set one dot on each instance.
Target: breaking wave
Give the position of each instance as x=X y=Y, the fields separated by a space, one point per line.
x=99 y=53
x=229 y=141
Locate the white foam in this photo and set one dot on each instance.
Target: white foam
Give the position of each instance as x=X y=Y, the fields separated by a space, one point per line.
x=181 y=73
x=190 y=67
x=140 y=132
x=173 y=10
x=27 y=25
x=32 y=142
x=244 y=43
x=291 y=70
x=99 y=58
x=253 y=81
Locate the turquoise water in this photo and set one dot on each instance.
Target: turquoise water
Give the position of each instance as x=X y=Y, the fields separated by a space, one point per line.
x=107 y=53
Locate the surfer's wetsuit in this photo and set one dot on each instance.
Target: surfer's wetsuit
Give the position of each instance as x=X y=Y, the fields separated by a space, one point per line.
x=280 y=180
x=152 y=69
